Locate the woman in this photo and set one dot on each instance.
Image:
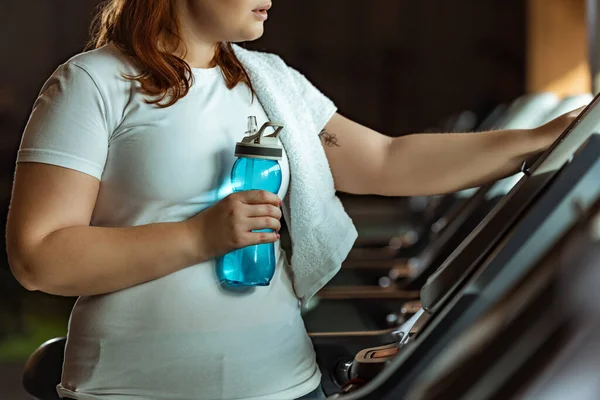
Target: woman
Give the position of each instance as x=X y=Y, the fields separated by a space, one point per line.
x=119 y=198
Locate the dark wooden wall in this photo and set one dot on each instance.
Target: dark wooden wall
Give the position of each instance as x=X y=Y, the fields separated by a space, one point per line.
x=403 y=65
x=395 y=65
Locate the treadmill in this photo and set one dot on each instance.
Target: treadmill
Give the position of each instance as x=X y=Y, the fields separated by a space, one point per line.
x=572 y=369
x=540 y=341
x=437 y=296
x=571 y=192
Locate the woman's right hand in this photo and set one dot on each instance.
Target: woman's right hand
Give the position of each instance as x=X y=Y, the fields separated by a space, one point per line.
x=228 y=225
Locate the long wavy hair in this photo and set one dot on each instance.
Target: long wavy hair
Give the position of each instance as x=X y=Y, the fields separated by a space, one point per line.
x=148 y=31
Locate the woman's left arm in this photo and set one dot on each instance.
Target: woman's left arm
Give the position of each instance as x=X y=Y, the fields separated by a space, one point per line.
x=363 y=161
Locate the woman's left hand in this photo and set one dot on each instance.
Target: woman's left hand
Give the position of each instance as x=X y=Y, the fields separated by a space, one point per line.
x=552 y=130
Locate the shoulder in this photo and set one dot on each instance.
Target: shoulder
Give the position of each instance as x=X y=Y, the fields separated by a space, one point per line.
x=104 y=68
x=94 y=79
x=104 y=63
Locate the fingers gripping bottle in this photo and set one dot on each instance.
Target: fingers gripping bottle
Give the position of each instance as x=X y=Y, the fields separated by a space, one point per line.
x=257 y=168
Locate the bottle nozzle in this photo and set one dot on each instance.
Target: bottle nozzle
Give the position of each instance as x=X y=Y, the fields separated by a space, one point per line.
x=252 y=126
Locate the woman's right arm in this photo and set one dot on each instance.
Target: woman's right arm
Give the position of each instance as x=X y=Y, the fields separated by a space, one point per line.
x=50 y=245
x=52 y=248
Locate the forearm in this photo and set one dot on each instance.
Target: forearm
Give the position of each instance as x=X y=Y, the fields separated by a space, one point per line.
x=81 y=261
x=427 y=164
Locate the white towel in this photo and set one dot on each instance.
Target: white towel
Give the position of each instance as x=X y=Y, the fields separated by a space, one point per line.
x=322 y=233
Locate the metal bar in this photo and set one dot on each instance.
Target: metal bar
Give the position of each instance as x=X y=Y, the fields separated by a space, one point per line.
x=593 y=33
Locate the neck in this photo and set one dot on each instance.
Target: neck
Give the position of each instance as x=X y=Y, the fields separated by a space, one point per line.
x=198 y=55
x=195 y=48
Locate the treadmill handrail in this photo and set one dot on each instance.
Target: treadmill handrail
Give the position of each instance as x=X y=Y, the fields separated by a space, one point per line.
x=576 y=134
x=570 y=139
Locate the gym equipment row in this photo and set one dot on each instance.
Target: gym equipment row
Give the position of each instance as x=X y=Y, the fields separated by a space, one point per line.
x=502 y=262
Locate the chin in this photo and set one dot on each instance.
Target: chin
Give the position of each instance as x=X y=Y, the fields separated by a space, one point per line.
x=252 y=33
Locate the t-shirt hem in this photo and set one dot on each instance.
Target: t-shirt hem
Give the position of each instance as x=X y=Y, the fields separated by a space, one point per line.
x=295 y=392
x=61 y=160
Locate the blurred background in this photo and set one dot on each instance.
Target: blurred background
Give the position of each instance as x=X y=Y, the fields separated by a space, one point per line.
x=397 y=66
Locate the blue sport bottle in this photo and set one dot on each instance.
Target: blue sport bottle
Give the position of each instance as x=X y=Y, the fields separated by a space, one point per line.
x=257 y=168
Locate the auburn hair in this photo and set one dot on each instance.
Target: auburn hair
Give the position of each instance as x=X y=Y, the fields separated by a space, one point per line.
x=149 y=32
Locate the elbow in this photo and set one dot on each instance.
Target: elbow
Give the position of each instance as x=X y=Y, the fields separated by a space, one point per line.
x=28 y=284
x=30 y=274
x=22 y=269
x=23 y=273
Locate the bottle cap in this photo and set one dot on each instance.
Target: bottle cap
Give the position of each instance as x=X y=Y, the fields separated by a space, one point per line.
x=258 y=146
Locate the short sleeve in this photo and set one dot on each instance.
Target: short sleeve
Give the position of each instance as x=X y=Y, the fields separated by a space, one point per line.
x=68 y=125
x=320 y=106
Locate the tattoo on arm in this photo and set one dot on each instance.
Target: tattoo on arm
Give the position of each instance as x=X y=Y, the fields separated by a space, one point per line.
x=329 y=139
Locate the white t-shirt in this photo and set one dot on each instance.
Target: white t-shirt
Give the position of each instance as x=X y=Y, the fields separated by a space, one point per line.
x=181 y=336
